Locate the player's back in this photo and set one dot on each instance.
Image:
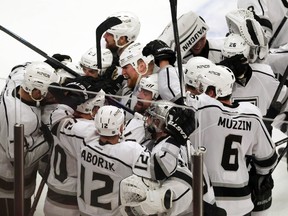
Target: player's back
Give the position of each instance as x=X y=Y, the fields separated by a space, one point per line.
x=101 y=168
x=229 y=133
x=260 y=88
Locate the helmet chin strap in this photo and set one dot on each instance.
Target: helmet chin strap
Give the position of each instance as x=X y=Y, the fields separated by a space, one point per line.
x=37 y=100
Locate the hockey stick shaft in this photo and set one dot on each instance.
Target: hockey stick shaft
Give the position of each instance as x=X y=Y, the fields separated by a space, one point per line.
x=58 y=63
x=280 y=142
x=283 y=21
x=279 y=158
x=40 y=189
x=173 y=6
x=103 y=27
x=37 y=50
x=278 y=91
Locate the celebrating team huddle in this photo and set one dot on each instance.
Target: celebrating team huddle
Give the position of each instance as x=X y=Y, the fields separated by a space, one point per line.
x=116 y=138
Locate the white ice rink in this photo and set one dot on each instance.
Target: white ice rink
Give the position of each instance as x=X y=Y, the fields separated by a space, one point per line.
x=68 y=27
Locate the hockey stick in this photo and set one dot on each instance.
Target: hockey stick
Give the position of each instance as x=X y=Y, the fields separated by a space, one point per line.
x=40 y=188
x=173 y=6
x=282 y=141
x=278 y=29
x=53 y=60
x=273 y=104
x=279 y=158
x=58 y=63
x=103 y=27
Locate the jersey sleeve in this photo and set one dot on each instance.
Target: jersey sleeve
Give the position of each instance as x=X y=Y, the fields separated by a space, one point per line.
x=169 y=84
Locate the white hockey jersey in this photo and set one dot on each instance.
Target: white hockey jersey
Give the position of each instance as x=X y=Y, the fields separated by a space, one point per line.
x=180 y=182
x=169 y=84
x=212 y=50
x=230 y=133
x=260 y=88
x=103 y=166
x=69 y=135
x=14 y=110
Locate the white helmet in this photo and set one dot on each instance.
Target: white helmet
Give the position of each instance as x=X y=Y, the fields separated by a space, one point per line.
x=39 y=75
x=97 y=101
x=235 y=44
x=63 y=74
x=194 y=67
x=158 y=111
x=191 y=29
x=89 y=59
x=132 y=54
x=150 y=83
x=109 y=120
x=130 y=27
x=221 y=77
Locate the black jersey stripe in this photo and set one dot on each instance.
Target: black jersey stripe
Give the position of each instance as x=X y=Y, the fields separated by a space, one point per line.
x=231 y=192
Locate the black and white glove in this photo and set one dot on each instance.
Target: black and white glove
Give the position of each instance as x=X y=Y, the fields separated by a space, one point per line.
x=160 y=50
x=71 y=97
x=261 y=190
x=47 y=134
x=60 y=58
x=108 y=85
x=236 y=64
x=180 y=123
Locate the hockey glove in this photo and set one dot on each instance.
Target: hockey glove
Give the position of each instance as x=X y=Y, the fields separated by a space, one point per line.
x=210 y=209
x=47 y=134
x=160 y=50
x=180 y=123
x=261 y=191
x=69 y=97
x=60 y=58
x=236 y=63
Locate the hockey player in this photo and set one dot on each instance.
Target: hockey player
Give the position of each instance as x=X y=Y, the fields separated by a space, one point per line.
x=134 y=66
x=180 y=182
x=239 y=131
x=21 y=101
x=120 y=36
x=148 y=92
x=252 y=79
x=193 y=40
x=103 y=163
x=89 y=65
x=71 y=124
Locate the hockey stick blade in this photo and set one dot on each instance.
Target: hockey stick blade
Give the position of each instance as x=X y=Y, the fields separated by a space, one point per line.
x=37 y=50
x=103 y=27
